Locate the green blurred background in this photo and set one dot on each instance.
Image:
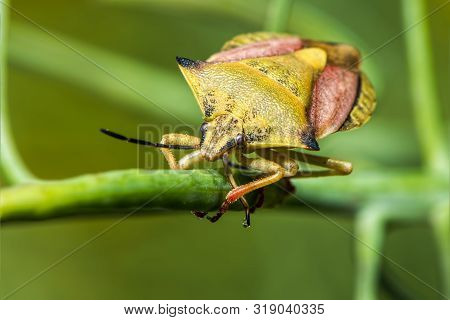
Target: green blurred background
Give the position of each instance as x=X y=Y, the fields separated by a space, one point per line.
x=58 y=100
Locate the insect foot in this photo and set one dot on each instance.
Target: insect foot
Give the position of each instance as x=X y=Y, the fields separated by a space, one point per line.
x=246 y=222
x=199 y=214
x=223 y=208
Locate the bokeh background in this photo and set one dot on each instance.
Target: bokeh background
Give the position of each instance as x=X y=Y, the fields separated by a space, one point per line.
x=58 y=100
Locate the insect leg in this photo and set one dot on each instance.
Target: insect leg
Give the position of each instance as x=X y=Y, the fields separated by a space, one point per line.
x=260 y=197
x=177 y=139
x=279 y=166
x=233 y=184
x=184 y=163
x=224 y=207
x=242 y=190
x=276 y=171
x=189 y=160
x=335 y=167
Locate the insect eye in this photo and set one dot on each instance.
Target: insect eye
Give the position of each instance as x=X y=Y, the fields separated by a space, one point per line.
x=240 y=139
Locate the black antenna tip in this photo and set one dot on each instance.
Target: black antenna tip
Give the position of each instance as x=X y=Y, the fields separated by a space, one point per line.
x=186 y=63
x=113 y=134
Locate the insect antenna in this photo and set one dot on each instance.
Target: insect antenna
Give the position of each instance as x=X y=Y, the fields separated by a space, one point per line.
x=144 y=142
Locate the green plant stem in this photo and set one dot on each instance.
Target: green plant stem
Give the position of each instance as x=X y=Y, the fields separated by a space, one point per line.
x=440 y=222
x=423 y=88
x=370 y=232
x=360 y=188
x=12 y=168
x=278 y=15
x=120 y=190
x=204 y=190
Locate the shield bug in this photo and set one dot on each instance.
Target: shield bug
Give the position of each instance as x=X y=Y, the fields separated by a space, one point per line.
x=268 y=93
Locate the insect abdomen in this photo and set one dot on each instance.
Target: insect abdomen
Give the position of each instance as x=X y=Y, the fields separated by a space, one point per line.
x=364 y=105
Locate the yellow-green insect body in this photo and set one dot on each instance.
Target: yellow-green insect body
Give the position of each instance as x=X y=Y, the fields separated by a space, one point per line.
x=267 y=96
x=268 y=93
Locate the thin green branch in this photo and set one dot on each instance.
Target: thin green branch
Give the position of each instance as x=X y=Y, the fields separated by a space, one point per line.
x=205 y=189
x=361 y=188
x=278 y=15
x=121 y=190
x=440 y=222
x=12 y=168
x=370 y=232
x=427 y=112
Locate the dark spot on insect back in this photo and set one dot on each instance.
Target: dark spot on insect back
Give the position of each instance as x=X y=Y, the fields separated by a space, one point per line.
x=209 y=103
x=258 y=134
x=187 y=63
x=208 y=108
x=309 y=140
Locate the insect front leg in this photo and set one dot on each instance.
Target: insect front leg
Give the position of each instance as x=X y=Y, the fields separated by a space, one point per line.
x=233 y=184
x=260 y=196
x=276 y=171
x=224 y=207
x=276 y=165
x=177 y=139
x=189 y=160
